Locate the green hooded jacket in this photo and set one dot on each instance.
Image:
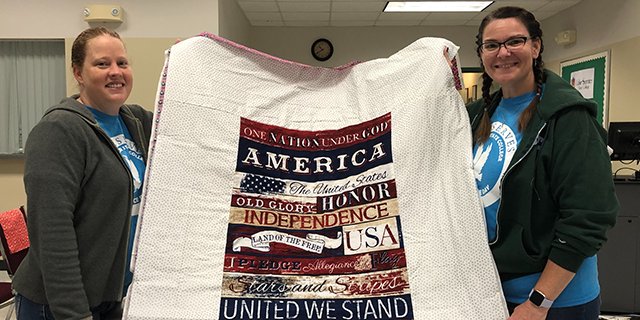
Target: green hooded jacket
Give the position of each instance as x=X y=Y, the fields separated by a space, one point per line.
x=557 y=195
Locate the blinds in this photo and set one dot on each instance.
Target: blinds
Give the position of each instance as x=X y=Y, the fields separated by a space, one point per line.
x=33 y=80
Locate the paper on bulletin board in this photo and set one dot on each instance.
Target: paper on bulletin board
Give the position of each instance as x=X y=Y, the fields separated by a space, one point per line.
x=590 y=76
x=583 y=81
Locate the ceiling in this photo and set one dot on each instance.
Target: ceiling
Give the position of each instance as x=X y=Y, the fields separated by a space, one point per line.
x=368 y=13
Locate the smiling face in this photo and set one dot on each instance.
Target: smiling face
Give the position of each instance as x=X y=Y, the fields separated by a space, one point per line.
x=513 y=70
x=105 y=77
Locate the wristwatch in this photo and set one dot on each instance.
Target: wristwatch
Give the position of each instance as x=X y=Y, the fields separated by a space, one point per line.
x=538 y=298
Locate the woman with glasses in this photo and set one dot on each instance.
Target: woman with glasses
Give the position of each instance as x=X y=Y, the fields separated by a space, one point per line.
x=543 y=174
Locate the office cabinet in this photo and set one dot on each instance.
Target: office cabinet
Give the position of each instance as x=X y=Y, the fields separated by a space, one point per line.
x=618 y=264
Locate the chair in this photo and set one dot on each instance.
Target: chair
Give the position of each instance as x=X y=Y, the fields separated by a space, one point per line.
x=12 y=226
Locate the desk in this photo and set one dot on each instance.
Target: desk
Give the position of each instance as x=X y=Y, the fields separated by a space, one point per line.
x=618 y=261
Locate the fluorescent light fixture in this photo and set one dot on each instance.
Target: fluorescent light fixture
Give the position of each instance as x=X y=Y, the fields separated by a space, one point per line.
x=436 y=6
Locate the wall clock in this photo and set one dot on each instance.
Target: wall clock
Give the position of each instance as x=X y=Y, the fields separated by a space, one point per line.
x=322 y=49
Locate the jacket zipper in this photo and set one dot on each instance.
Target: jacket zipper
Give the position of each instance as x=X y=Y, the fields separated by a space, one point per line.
x=119 y=156
x=139 y=130
x=473 y=122
x=126 y=167
x=504 y=177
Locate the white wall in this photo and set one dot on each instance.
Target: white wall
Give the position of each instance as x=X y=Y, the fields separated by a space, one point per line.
x=232 y=23
x=613 y=25
x=142 y=19
x=356 y=43
x=599 y=23
x=149 y=28
x=603 y=25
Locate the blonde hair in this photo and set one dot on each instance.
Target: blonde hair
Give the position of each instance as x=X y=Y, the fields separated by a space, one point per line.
x=79 y=47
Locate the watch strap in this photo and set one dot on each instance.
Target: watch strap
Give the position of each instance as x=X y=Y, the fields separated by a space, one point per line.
x=539 y=299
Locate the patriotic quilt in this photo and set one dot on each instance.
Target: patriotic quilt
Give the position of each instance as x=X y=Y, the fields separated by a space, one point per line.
x=276 y=190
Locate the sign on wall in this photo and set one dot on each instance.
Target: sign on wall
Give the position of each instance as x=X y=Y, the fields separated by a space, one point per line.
x=590 y=76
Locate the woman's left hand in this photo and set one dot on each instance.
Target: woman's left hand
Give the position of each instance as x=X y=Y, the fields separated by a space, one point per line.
x=446 y=57
x=528 y=311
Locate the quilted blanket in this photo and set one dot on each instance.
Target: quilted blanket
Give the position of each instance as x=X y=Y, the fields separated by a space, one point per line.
x=276 y=190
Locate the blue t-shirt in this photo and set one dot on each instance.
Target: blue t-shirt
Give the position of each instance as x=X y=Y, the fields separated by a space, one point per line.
x=491 y=159
x=490 y=162
x=121 y=138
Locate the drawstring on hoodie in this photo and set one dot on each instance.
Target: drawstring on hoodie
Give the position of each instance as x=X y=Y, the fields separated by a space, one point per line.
x=538 y=144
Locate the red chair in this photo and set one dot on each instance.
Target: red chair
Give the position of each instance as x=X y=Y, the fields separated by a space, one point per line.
x=12 y=227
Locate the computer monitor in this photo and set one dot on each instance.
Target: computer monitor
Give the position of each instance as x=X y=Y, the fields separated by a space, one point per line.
x=624 y=139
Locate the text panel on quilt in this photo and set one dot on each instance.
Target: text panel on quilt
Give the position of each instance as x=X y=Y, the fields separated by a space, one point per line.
x=314 y=230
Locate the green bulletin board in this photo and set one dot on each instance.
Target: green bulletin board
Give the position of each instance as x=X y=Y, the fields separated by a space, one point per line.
x=590 y=75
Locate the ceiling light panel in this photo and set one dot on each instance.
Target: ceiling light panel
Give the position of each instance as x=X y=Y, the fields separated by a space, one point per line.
x=452 y=16
x=436 y=6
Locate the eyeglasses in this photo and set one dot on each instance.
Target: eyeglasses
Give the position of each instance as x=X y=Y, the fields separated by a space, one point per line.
x=512 y=45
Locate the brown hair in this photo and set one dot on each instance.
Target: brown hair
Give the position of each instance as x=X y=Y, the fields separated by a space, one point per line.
x=79 y=48
x=533 y=27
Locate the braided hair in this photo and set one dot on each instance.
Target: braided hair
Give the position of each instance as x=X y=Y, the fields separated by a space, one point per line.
x=533 y=27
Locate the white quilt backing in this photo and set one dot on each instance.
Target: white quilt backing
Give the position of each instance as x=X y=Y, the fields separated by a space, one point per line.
x=276 y=190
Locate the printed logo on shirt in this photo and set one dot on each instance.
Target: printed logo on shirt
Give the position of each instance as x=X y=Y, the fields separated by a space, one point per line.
x=134 y=161
x=497 y=151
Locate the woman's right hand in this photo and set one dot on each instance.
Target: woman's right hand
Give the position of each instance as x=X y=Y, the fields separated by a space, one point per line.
x=446 y=57
x=528 y=311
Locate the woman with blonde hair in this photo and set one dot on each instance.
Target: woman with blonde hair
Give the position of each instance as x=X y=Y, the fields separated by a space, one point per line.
x=84 y=166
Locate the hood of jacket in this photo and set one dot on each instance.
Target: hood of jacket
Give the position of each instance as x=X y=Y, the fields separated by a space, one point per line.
x=72 y=105
x=131 y=116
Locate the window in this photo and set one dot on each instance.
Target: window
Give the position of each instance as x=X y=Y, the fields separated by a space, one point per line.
x=33 y=79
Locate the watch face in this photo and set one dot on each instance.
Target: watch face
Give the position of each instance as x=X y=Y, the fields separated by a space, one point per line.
x=537 y=298
x=322 y=50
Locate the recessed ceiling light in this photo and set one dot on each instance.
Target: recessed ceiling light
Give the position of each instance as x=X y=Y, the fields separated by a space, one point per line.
x=436 y=6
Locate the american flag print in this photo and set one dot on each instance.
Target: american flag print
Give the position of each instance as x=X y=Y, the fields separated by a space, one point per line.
x=252 y=183
x=314 y=227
